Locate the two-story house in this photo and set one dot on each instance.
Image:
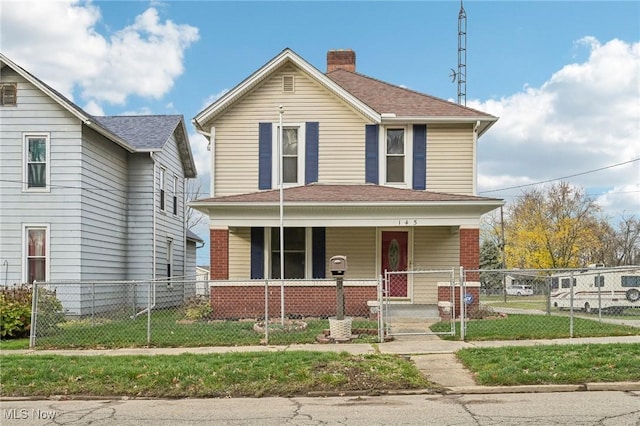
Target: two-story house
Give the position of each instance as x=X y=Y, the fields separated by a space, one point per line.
x=86 y=198
x=381 y=174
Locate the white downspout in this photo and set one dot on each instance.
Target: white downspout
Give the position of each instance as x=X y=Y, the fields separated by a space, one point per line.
x=211 y=148
x=475 y=157
x=153 y=262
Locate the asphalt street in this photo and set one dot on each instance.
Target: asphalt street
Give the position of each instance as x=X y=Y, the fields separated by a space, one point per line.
x=564 y=408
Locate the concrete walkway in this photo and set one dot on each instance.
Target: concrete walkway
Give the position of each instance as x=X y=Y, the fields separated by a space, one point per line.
x=433 y=356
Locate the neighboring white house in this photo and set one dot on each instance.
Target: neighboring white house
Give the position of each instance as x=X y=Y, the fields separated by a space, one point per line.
x=86 y=198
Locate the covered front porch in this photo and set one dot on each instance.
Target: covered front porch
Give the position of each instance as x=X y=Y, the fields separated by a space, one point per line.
x=377 y=228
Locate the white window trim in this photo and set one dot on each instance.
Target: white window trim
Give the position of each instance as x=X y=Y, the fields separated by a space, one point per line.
x=25 y=249
x=174 y=196
x=308 y=255
x=408 y=156
x=170 y=259
x=275 y=160
x=162 y=188
x=25 y=158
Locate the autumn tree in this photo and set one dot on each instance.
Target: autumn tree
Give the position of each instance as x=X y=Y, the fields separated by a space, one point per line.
x=554 y=227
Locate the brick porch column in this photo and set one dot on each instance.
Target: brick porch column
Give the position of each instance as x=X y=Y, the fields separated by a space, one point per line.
x=470 y=251
x=219 y=254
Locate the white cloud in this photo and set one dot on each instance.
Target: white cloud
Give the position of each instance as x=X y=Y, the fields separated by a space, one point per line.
x=584 y=117
x=142 y=59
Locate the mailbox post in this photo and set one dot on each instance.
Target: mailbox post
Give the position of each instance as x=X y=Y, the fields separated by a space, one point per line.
x=338 y=268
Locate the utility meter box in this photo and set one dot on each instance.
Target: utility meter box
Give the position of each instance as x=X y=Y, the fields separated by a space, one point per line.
x=338 y=265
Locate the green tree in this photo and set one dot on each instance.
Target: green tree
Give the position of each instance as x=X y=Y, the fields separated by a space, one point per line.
x=490 y=258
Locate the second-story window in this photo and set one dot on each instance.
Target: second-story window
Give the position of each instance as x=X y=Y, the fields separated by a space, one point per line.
x=36 y=149
x=292 y=151
x=175 y=194
x=162 y=178
x=395 y=156
x=290 y=154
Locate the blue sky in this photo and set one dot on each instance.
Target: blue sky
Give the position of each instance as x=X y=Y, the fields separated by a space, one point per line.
x=564 y=77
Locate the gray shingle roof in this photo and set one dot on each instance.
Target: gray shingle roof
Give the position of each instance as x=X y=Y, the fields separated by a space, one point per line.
x=143 y=132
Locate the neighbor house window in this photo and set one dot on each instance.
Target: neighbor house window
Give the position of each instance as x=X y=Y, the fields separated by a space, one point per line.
x=8 y=94
x=292 y=154
x=163 y=173
x=36 y=165
x=175 y=194
x=169 y=256
x=395 y=156
x=36 y=253
x=294 y=253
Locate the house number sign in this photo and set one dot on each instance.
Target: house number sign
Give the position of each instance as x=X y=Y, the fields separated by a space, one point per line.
x=407 y=222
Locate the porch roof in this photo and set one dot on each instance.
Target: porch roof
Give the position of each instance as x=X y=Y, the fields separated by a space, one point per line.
x=323 y=193
x=347 y=205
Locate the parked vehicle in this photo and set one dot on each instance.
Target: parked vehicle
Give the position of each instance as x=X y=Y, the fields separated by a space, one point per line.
x=610 y=289
x=519 y=290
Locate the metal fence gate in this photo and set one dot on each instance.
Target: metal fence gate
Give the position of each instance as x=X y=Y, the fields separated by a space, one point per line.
x=419 y=302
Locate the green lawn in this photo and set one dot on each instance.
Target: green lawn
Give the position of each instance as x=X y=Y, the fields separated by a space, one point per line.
x=248 y=374
x=553 y=364
x=522 y=327
x=168 y=329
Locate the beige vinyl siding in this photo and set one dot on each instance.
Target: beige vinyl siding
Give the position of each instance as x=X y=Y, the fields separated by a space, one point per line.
x=341 y=133
x=239 y=253
x=359 y=245
x=434 y=248
x=450 y=158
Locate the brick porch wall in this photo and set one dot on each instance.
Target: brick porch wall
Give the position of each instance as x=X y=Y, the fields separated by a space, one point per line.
x=219 y=252
x=242 y=301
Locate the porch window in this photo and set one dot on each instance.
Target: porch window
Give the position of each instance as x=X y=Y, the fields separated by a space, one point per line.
x=36 y=149
x=36 y=254
x=395 y=155
x=294 y=253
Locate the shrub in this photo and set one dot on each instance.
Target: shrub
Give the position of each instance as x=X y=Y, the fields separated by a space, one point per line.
x=15 y=311
x=198 y=308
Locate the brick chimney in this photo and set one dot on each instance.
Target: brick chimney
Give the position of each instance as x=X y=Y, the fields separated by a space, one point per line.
x=341 y=60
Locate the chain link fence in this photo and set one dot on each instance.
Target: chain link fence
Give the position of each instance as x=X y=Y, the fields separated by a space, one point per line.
x=175 y=313
x=459 y=304
x=555 y=303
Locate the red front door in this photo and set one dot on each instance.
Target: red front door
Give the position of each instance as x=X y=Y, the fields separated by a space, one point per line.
x=394 y=258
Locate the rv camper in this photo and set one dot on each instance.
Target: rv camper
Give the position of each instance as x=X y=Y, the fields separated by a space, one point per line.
x=597 y=287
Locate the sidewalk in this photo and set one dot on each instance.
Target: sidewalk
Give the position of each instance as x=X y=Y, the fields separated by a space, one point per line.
x=433 y=356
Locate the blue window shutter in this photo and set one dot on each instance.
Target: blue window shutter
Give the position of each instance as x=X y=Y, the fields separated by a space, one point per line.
x=257 y=253
x=311 y=152
x=264 y=155
x=420 y=156
x=371 y=153
x=318 y=236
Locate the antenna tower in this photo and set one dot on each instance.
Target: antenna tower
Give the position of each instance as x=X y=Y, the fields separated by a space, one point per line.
x=462 y=56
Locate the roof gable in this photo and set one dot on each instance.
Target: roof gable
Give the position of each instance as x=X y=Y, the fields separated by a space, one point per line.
x=375 y=99
x=285 y=57
x=133 y=133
